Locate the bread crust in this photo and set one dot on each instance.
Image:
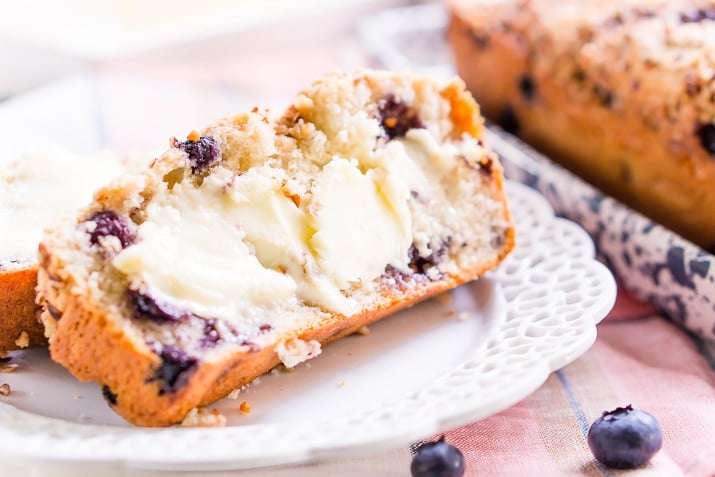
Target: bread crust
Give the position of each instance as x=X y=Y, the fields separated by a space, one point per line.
x=82 y=320
x=18 y=312
x=628 y=126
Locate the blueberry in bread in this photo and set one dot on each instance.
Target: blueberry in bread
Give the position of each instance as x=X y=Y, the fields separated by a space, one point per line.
x=257 y=240
x=620 y=92
x=35 y=190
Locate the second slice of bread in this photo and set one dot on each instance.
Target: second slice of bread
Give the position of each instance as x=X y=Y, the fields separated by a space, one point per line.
x=35 y=190
x=256 y=241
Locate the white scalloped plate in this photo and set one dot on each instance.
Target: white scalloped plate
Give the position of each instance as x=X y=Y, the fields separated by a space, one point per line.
x=441 y=364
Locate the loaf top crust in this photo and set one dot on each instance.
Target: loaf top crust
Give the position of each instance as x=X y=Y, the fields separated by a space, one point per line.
x=652 y=60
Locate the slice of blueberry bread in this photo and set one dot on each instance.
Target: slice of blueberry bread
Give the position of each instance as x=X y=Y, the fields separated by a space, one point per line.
x=257 y=240
x=35 y=190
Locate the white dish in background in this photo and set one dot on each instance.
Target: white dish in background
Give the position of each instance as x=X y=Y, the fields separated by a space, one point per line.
x=46 y=40
x=103 y=29
x=86 y=113
x=417 y=373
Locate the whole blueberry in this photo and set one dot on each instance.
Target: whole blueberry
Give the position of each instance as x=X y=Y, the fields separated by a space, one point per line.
x=396 y=117
x=202 y=152
x=175 y=369
x=437 y=459
x=153 y=309
x=108 y=222
x=527 y=87
x=625 y=438
x=706 y=132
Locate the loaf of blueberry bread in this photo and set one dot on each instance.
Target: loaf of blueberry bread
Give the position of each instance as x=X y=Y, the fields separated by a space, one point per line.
x=257 y=240
x=620 y=92
x=35 y=189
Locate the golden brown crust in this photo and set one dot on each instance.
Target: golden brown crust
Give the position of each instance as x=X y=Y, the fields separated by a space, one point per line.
x=140 y=403
x=18 y=312
x=615 y=91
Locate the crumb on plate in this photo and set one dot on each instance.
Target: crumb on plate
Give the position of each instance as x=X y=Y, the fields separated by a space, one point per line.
x=7 y=368
x=199 y=417
x=23 y=340
x=444 y=298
